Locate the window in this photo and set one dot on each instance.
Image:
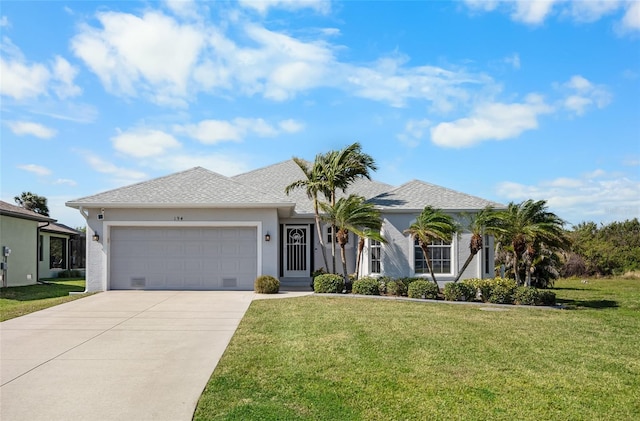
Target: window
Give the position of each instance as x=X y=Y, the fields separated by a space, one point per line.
x=57 y=252
x=41 y=248
x=439 y=255
x=375 y=254
x=329 y=231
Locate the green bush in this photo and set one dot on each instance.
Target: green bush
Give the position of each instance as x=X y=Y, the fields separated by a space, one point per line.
x=73 y=273
x=423 y=289
x=547 y=298
x=483 y=286
x=328 y=283
x=266 y=284
x=397 y=288
x=366 y=286
x=459 y=292
x=526 y=296
x=501 y=294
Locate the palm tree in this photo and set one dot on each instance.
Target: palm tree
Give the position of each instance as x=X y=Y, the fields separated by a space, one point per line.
x=314 y=183
x=431 y=224
x=33 y=202
x=372 y=235
x=525 y=227
x=352 y=214
x=483 y=221
x=340 y=169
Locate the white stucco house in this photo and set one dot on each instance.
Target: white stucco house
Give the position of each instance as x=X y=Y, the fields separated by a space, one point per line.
x=200 y=230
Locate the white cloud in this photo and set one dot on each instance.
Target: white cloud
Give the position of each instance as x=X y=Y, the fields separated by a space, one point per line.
x=36 y=169
x=536 y=12
x=599 y=195
x=142 y=142
x=64 y=74
x=263 y=6
x=101 y=165
x=22 y=128
x=153 y=54
x=211 y=132
x=66 y=181
x=291 y=126
x=532 y=11
x=223 y=164
x=23 y=80
x=631 y=19
x=216 y=131
x=583 y=94
x=4 y=22
x=491 y=121
x=413 y=132
x=513 y=60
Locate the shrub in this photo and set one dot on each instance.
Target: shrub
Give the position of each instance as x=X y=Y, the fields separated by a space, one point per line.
x=459 y=292
x=397 y=288
x=366 y=286
x=547 y=298
x=315 y=274
x=501 y=295
x=328 y=283
x=423 y=289
x=266 y=284
x=409 y=281
x=73 y=273
x=526 y=296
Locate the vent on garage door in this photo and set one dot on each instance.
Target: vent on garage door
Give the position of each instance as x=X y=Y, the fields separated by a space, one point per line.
x=229 y=282
x=139 y=282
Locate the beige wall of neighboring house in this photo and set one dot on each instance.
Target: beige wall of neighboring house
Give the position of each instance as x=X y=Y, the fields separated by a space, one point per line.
x=20 y=235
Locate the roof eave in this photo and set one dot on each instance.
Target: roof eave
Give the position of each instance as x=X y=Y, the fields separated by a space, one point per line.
x=111 y=205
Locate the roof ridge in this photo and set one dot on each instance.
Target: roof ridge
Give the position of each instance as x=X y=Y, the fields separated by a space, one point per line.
x=144 y=181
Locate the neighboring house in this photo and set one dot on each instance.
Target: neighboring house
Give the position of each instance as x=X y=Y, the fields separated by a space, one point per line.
x=19 y=232
x=200 y=230
x=60 y=247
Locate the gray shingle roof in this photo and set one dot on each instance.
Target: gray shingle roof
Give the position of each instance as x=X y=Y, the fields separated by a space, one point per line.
x=195 y=187
x=18 y=212
x=274 y=178
x=61 y=229
x=416 y=194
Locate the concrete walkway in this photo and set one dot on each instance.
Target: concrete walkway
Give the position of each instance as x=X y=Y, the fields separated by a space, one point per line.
x=117 y=355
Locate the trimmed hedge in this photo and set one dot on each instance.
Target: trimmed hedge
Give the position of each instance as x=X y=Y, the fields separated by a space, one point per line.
x=397 y=288
x=266 y=284
x=328 y=283
x=459 y=292
x=366 y=286
x=423 y=289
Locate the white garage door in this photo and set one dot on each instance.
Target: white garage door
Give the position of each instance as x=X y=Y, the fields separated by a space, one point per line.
x=183 y=258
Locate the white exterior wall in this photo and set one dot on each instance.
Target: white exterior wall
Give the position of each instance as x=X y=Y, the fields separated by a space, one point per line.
x=265 y=220
x=398 y=253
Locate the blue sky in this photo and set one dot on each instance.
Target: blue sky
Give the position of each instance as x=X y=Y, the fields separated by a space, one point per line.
x=505 y=100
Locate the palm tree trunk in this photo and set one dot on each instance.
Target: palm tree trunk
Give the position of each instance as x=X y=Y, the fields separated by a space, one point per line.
x=343 y=255
x=333 y=237
x=428 y=261
x=516 y=270
x=359 y=257
x=464 y=267
x=320 y=236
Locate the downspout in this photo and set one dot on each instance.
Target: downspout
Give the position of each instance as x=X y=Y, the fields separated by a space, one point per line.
x=85 y=215
x=38 y=250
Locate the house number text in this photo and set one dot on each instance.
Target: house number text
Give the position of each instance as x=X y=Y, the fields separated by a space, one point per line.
x=177 y=218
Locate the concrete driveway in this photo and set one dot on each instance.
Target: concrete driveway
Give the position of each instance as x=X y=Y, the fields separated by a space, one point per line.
x=117 y=355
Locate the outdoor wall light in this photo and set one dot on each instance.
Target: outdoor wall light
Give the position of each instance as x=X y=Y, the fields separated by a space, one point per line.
x=96 y=237
x=267 y=237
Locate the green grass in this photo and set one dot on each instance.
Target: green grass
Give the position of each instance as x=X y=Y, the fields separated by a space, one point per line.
x=18 y=301
x=340 y=358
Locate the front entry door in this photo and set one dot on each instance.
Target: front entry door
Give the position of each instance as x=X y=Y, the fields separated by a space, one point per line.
x=296 y=251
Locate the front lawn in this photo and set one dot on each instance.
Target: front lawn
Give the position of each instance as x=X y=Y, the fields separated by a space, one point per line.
x=340 y=358
x=18 y=301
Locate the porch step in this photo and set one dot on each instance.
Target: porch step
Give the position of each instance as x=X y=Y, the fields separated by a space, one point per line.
x=295 y=284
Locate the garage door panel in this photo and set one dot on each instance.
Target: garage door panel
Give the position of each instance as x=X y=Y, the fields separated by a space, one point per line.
x=183 y=258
